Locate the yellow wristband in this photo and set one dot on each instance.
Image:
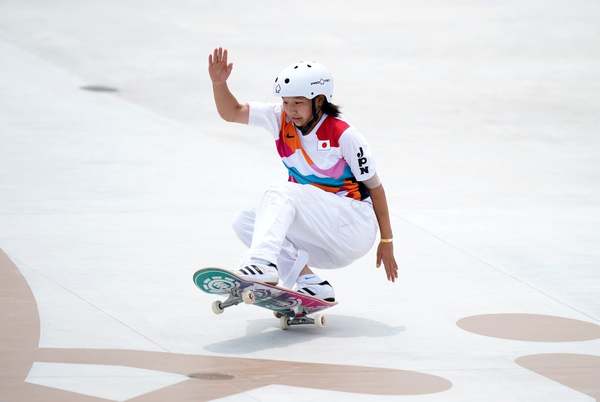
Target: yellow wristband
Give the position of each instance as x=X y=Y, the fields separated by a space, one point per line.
x=386 y=240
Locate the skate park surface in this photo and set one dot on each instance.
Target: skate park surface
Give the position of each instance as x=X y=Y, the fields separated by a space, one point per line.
x=118 y=181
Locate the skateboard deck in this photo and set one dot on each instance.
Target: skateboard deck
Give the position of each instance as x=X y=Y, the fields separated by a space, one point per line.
x=291 y=307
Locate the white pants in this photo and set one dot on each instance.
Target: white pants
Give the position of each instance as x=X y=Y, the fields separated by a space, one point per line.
x=296 y=225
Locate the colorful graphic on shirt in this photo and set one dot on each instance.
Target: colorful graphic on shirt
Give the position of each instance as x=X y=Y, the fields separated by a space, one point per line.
x=337 y=179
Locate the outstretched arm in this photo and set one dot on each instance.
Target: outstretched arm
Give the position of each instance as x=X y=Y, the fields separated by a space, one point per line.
x=227 y=106
x=385 y=250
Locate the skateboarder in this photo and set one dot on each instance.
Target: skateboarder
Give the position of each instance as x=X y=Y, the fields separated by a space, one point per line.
x=328 y=212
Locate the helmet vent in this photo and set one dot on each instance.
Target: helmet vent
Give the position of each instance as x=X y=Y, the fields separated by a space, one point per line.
x=287 y=80
x=295 y=67
x=276 y=79
x=309 y=65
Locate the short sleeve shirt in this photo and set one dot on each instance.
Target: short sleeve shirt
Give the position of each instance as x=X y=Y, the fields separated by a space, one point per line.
x=334 y=156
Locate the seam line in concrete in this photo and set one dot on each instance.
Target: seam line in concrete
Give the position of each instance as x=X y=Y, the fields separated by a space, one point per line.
x=89 y=303
x=500 y=270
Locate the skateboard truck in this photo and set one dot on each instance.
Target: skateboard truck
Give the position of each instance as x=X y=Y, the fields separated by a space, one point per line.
x=297 y=316
x=288 y=318
x=235 y=297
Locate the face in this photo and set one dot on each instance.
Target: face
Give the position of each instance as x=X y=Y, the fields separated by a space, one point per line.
x=298 y=108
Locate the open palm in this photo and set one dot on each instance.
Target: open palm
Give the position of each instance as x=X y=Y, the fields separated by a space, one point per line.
x=218 y=69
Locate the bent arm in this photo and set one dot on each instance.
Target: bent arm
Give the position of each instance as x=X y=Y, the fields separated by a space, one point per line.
x=385 y=250
x=228 y=106
x=382 y=213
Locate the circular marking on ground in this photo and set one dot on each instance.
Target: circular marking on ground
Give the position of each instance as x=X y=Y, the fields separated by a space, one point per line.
x=531 y=327
x=578 y=372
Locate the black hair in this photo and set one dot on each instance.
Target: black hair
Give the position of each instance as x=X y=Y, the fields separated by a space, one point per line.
x=327 y=108
x=330 y=108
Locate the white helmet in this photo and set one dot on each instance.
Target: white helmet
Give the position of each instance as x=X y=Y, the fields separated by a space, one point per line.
x=306 y=79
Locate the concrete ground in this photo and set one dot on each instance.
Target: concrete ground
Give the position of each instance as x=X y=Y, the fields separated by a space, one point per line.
x=118 y=180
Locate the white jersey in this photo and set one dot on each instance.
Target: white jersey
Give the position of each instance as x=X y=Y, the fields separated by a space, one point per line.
x=333 y=156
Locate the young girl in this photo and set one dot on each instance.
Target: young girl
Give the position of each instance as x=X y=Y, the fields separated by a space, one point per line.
x=327 y=214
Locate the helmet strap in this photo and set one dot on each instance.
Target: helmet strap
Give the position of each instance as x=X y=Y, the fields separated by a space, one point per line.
x=305 y=129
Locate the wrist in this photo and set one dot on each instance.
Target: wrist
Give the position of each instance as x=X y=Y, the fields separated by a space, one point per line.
x=386 y=240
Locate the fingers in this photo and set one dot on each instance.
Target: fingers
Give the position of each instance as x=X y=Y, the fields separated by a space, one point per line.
x=394 y=271
x=391 y=270
x=219 y=55
x=385 y=255
x=390 y=276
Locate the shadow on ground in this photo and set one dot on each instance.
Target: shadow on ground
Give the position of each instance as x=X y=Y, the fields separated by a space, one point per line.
x=209 y=377
x=265 y=334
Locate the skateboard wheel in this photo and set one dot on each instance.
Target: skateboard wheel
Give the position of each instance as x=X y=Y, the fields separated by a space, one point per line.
x=320 y=320
x=277 y=314
x=283 y=322
x=217 y=307
x=248 y=296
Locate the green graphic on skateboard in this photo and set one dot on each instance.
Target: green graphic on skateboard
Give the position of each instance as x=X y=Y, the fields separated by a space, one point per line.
x=291 y=307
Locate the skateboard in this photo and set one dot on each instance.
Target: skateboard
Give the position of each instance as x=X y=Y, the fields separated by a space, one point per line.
x=291 y=307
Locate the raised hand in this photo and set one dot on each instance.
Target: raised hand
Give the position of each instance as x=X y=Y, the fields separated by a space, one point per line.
x=218 y=69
